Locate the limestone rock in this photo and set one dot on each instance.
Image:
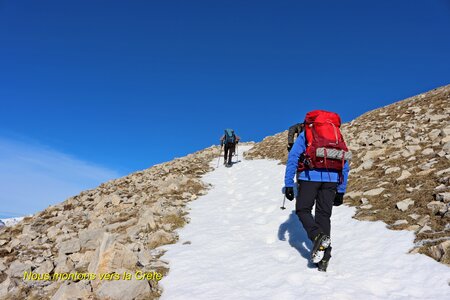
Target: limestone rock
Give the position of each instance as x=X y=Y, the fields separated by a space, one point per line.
x=404 y=204
x=392 y=170
x=52 y=232
x=405 y=174
x=366 y=165
x=428 y=151
x=444 y=197
x=115 y=199
x=425 y=228
x=413 y=227
x=83 y=261
x=111 y=256
x=354 y=194
x=440 y=188
x=17 y=268
x=400 y=222
x=63 y=264
x=424 y=220
x=2 y=266
x=144 y=258
x=364 y=201
x=147 y=219
x=73 y=290
x=123 y=289
x=414 y=216
x=4 y=288
x=70 y=246
x=446 y=148
x=90 y=238
x=434 y=134
x=160 y=237
x=45 y=267
x=374 y=192
x=367 y=206
x=103 y=253
x=437 y=207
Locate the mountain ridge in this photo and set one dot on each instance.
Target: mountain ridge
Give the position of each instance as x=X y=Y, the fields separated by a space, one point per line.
x=120 y=224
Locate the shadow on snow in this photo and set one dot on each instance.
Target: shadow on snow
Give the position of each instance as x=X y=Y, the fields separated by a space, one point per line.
x=298 y=238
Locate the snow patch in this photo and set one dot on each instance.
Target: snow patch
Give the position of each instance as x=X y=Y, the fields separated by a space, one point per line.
x=242 y=246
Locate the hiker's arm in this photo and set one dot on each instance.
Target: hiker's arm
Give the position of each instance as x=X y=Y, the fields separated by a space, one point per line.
x=221 y=140
x=343 y=186
x=237 y=139
x=292 y=162
x=291 y=133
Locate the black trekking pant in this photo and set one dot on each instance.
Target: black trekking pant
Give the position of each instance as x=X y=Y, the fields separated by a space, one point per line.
x=228 y=152
x=322 y=193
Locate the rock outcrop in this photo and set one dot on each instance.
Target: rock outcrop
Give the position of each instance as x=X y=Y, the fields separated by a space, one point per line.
x=401 y=167
x=112 y=229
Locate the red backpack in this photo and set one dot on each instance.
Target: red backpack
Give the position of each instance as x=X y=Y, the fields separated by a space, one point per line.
x=325 y=147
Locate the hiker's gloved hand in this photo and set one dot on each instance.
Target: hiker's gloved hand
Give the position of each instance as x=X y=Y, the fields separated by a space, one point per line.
x=289 y=147
x=338 y=199
x=289 y=192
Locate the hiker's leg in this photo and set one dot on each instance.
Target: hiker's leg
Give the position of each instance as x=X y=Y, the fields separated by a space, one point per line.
x=307 y=192
x=225 y=153
x=230 y=155
x=324 y=206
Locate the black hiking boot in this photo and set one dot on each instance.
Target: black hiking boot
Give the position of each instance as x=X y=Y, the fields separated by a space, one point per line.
x=321 y=242
x=323 y=264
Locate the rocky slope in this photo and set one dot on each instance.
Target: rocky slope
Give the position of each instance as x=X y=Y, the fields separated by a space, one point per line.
x=400 y=175
x=401 y=167
x=111 y=229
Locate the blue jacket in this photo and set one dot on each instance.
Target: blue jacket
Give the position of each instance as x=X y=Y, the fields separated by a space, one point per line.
x=318 y=175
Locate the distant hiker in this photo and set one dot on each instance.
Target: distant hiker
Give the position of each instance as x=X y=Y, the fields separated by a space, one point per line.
x=294 y=130
x=320 y=156
x=229 y=140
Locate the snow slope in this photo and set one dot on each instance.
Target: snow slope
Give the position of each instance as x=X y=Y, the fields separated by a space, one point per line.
x=11 y=221
x=242 y=246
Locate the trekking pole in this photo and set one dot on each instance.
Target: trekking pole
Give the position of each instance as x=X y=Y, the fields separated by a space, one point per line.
x=220 y=154
x=284 y=200
x=237 y=153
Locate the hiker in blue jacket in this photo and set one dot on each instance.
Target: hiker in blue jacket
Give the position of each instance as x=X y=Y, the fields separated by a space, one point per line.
x=323 y=187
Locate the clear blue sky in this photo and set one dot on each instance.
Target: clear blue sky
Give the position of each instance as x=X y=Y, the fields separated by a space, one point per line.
x=127 y=84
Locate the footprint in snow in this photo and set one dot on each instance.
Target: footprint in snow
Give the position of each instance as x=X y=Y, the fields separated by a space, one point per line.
x=261 y=221
x=283 y=256
x=270 y=240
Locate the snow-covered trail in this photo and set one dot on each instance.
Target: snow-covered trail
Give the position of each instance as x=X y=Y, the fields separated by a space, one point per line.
x=242 y=246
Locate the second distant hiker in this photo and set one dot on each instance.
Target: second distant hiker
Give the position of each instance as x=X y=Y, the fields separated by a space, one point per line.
x=294 y=130
x=228 y=141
